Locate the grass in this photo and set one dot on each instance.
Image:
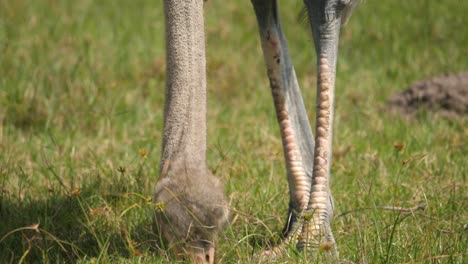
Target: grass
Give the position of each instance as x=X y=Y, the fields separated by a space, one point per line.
x=81 y=96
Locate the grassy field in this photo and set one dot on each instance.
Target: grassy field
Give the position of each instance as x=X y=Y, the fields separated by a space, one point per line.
x=81 y=101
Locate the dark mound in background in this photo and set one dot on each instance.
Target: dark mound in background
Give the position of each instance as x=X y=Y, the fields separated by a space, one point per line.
x=446 y=94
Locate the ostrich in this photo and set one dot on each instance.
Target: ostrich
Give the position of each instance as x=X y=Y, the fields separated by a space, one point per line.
x=195 y=205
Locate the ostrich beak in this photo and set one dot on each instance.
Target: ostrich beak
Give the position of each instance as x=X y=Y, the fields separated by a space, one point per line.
x=202 y=255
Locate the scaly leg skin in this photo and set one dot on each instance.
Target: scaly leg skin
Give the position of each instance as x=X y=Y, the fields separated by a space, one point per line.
x=316 y=229
x=325 y=17
x=311 y=207
x=296 y=134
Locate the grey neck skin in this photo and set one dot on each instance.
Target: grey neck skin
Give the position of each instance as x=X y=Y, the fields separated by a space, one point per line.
x=185 y=108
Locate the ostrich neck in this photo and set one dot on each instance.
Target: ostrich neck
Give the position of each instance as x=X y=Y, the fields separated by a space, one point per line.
x=185 y=108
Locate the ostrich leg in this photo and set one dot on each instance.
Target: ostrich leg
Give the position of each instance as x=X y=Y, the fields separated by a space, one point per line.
x=309 y=178
x=325 y=17
x=296 y=134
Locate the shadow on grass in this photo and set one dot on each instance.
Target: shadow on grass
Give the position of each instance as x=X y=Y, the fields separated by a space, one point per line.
x=77 y=226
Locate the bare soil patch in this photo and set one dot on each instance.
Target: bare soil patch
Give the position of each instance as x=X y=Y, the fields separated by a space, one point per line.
x=446 y=94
